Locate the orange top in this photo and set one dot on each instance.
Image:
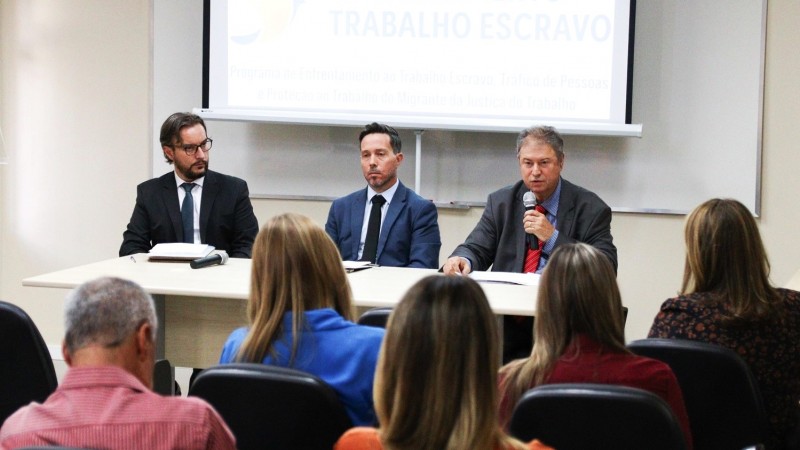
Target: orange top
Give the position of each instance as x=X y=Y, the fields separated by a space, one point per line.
x=365 y=438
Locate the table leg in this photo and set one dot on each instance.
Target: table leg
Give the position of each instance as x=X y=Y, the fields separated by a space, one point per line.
x=158 y=300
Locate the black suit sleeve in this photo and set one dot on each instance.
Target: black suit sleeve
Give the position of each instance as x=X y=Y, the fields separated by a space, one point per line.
x=593 y=227
x=480 y=247
x=136 y=238
x=245 y=225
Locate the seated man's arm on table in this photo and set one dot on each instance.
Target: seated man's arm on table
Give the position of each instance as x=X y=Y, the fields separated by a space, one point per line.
x=478 y=249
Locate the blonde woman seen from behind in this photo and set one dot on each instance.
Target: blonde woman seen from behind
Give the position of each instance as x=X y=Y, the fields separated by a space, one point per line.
x=727 y=299
x=579 y=336
x=435 y=387
x=300 y=314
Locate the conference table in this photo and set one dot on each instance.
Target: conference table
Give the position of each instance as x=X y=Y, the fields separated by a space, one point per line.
x=198 y=308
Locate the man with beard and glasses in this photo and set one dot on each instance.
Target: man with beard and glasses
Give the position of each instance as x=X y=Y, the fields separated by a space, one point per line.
x=218 y=211
x=405 y=230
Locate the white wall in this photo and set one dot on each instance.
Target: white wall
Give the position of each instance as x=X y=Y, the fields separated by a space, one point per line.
x=76 y=118
x=75 y=111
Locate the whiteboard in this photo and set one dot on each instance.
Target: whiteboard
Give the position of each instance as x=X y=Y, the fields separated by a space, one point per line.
x=697 y=91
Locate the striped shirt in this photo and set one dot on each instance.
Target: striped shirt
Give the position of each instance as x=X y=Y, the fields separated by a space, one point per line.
x=107 y=407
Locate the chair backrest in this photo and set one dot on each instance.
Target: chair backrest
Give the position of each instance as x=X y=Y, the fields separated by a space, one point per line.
x=722 y=397
x=582 y=416
x=163 y=377
x=26 y=372
x=273 y=407
x=375 y=317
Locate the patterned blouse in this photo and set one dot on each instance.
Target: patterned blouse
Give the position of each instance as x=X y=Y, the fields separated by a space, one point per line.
x=771 y=349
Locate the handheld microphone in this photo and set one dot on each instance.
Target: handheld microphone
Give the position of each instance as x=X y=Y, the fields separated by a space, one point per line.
x=529 y=200
x=210 y=260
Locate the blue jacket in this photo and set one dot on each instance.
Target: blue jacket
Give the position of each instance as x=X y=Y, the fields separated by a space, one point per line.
x=409 y=234
x=339 y=352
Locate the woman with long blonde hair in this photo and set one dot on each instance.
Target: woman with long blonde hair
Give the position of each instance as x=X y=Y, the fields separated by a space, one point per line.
x=579 y=336
x=727 y=299
x=300 y=314
x=435 y=386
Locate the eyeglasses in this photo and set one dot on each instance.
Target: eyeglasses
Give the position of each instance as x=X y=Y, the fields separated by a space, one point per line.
x=192 y=149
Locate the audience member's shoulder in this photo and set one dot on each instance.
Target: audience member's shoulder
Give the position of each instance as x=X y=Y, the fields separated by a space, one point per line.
x=238 y=334
x=537 y=445
x=232 y=344
x=16 y=422
x=651 y=365
x=359 y=438
x=183 y=409
x=654 y=371
x=790 y=297
x=683 y=303
x=370 y=332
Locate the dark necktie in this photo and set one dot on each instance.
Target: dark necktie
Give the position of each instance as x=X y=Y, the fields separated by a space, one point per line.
x=373 y=230
x=532 y=256
x=187 y=213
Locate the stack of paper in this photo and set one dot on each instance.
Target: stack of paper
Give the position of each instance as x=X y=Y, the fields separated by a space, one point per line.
x=179 y=251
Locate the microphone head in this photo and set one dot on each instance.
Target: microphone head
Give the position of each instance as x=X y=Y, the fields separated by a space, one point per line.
x=529 y=200
x=224 y=256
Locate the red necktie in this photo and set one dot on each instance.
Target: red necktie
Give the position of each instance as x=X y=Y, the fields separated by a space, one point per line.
x=532 y=256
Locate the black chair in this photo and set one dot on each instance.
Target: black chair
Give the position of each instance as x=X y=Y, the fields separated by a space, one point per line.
x=375 y=317
x=273 y=407
x=26 y=372
x=721 y=394
x=164 y=378
x=587 y=416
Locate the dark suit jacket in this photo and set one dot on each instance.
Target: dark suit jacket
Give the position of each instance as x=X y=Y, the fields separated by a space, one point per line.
x=226 y=216
x=499 y=238
x=409 y=234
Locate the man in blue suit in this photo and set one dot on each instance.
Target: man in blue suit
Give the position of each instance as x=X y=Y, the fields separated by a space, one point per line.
x=409 y=230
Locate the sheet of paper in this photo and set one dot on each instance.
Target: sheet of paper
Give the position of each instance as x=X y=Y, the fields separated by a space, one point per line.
x=352 y=266
x=525 y=279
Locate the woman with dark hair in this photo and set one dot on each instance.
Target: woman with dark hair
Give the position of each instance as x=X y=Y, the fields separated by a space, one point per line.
x=301 y=316
x=579 y=336
x=435 y=386
x=727 y=299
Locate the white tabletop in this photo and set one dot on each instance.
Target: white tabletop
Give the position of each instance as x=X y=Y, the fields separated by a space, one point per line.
x=169 y=278
x=198 y=308
x=377 y=286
